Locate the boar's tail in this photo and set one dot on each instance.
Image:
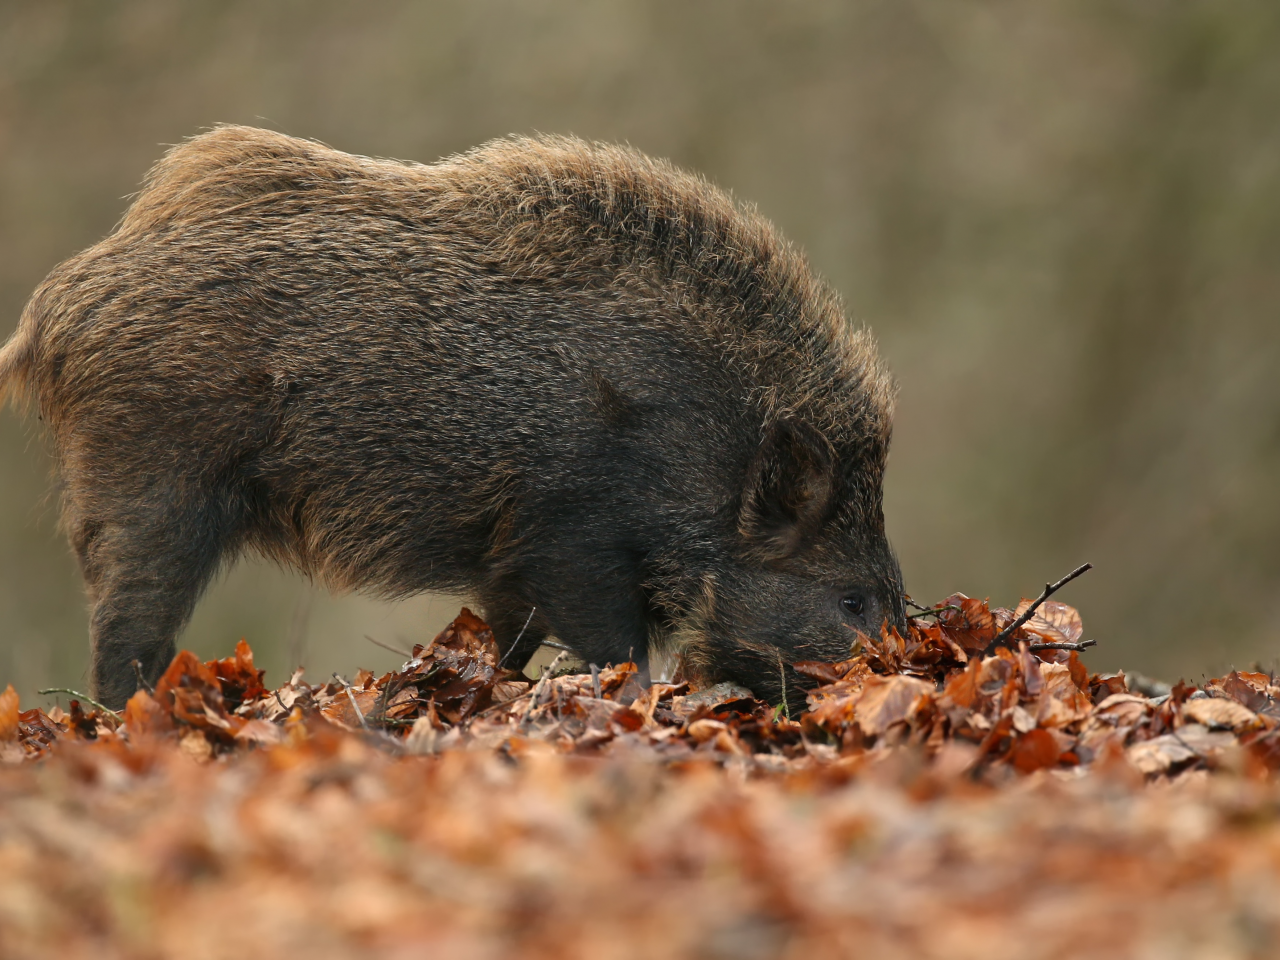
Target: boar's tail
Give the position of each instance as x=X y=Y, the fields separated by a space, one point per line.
x=16 y=358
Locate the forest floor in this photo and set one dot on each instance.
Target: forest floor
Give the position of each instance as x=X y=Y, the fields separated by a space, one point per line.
x=967 y=790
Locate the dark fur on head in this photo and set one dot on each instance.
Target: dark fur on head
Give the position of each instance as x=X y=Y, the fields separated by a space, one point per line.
x=546 y=372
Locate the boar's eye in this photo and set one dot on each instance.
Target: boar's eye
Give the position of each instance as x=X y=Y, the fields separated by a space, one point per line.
x=854 y=604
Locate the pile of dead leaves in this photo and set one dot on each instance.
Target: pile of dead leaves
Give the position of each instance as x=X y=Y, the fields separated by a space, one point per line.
x=937 y=691
x=957 y=791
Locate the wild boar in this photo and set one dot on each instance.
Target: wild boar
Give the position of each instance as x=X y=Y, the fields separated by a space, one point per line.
x=561 y=377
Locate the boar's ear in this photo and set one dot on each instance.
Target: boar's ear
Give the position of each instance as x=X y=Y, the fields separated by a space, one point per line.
x=790 y=489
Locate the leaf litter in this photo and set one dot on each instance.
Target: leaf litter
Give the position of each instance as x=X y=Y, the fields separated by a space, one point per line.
x=937 y=798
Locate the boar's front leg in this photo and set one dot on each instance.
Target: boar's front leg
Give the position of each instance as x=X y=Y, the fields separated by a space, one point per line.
x=146 y=559
x=591 y=599
x=513 y=618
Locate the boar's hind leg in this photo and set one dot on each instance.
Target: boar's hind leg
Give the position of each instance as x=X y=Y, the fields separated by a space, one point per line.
x=145 y=564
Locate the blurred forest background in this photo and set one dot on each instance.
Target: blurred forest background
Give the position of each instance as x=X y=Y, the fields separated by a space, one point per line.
x=1061 y=218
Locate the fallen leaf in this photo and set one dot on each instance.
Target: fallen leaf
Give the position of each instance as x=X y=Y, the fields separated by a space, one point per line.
x=885 y=701
x=969 y=622
x=1053 y=621
x=1034 y=750
x=1217 y=713
x=9 y=714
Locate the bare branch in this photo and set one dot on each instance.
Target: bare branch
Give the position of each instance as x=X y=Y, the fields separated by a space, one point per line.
x=1055 y=645
x=933 y=611
x=1002 y=638
x=386 y=646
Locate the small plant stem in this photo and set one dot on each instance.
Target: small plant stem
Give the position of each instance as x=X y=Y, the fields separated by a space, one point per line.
x=354 y=706
x=89 y=700
x=542 y=683
x=515 y=643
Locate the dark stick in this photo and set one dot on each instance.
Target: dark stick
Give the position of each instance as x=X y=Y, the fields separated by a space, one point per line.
x=1055 y=645
x=933 y=611
x=1002 y=638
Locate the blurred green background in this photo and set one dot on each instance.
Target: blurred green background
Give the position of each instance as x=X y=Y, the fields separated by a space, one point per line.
x=1062 y=219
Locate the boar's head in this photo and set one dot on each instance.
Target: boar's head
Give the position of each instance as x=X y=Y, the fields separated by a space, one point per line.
x=812 y=569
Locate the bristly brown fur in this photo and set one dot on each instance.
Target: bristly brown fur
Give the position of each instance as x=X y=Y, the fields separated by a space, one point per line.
x=15 y=362
x=552 y=373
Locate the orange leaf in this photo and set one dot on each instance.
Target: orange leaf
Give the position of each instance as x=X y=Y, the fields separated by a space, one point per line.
x=962 y=689
x=1033 y=750
x=9 y=714
x=971 y=624
x=144 y=717
x=1218 y=713
x=238 y=679
x=885 y=701
x=1053 y=621
x=192 y=692
x=1061 y=702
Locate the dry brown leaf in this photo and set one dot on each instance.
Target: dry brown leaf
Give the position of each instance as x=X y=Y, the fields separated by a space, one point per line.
x=1053 y=621
x=885 y=701
x=969 y=622
x=1124 y=708
x=1161 y=754
x=9 y=714
x=1216 y=713
x=1249 y=690
x=961 y=691
x=1034 y=750
x=1062 y=702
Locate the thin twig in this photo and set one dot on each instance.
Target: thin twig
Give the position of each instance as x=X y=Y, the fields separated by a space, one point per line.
x=1050 y=589
x=142 y=680
x=495 y=706
x=515 y=643
x=542 y=682
x=557 y=646
x=89 y=700
x=1063 y=645
x=354 y=706
x=385 y=700
x=934 y=611
x=386 y=646
x=595 y=681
